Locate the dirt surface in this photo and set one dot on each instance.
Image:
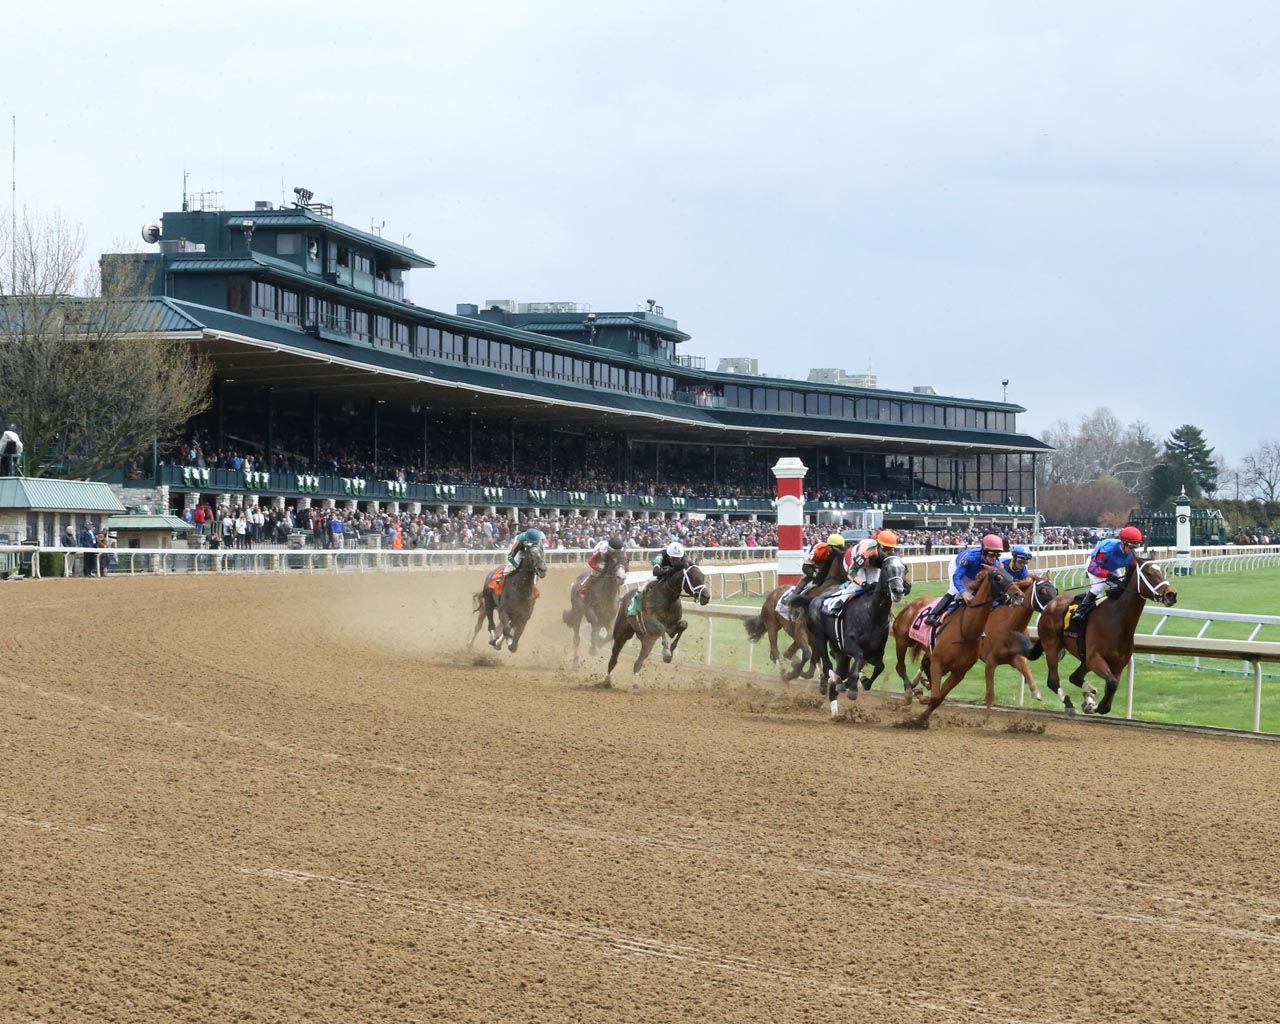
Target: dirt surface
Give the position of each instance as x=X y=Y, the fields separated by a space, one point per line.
x=271 y=799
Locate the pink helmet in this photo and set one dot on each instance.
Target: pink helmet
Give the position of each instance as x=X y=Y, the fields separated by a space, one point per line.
x=992 y=543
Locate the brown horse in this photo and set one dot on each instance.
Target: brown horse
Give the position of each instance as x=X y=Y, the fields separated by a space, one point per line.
x=1005 y=640
x=955 y=646
x=771 y=621
x=1108 y=633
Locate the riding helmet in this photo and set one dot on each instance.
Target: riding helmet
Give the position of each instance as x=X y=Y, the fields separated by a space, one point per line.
x=836 y=540
x=1131 y=535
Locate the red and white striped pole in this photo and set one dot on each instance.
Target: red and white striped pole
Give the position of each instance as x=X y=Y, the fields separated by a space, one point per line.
x=789 y=503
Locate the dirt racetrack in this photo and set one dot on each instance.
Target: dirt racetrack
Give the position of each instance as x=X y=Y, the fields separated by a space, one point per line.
x=289 y=799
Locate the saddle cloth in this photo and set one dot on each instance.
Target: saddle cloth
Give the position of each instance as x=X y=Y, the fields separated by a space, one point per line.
x=921 y=632
x=495 y=585
x=633 y=606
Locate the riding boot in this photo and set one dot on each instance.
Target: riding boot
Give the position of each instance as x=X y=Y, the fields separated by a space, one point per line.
x=1082 y=609
x=936 y=612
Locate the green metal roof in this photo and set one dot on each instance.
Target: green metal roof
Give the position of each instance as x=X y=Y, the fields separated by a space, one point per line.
x=45 y=494
x=141 y=522
x=606 y=320
x=210 y=265
x=313 y=221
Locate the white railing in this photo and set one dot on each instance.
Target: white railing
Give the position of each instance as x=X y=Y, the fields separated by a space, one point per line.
x=25 y=559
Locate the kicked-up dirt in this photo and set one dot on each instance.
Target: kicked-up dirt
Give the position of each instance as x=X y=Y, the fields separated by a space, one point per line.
x=304 y=799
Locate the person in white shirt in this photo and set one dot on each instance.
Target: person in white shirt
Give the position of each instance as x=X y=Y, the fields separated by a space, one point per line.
x=10 y=449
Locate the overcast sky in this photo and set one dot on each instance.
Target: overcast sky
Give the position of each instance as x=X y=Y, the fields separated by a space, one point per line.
x=1081 y=198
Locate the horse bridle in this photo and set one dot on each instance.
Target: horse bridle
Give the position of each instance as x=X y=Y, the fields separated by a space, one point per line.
x=687 y=587
x=1036 y=603
x=1154 y=588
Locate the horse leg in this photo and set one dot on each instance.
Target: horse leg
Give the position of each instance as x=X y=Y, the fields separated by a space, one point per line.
x=620 y=638
x=1052 y=656
x=991 y=683
x=480 y=612
x=646 y=645
x=676 y=634
x=832 y=691
x=1100 y=667
x=877 y=666
x=1021 y=664
x=574 y=620
x=772 y=627
x=516 y=630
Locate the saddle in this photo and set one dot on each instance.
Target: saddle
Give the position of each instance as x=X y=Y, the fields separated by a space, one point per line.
x=495 y=585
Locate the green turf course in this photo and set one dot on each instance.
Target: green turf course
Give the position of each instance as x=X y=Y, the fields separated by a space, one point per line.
x=1164 y=692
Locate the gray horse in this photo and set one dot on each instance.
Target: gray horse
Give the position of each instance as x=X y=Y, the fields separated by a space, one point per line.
x=657 y=615
x=599 y=606
x=514 y=605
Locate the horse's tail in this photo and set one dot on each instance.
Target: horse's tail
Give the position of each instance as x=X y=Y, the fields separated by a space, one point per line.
x=1033 y=651
x=755 y=627
x=477 y=602
x=1025 y=646
x=568 y=617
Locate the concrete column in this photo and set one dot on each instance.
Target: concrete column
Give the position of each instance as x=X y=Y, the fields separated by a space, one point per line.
x=414 y=508
x=190 y=500
x=373 y=506
x=328 y=504
x=393 y=507
x=351 y=505
x=277 y=502
x=302 y=503
x=250 y=500
x=535 y=512
x=442 y=510
x=224 y=499
x=467 y=509
x=790 y=473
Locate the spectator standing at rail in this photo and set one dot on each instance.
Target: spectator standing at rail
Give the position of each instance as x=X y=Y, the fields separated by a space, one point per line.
x=68 y=557
x=10 y=449
x=88 y=539
x=336 y=531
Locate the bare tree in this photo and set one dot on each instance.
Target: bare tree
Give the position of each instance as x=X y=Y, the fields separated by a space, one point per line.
x=82 y=370
x=1260 y=472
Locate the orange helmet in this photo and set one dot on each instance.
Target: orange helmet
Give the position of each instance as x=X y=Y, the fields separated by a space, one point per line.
x=887 y=539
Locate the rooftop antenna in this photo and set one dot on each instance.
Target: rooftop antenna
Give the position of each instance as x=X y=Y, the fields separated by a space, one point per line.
x=185 y=206
x=13 y=242
x=376 y=229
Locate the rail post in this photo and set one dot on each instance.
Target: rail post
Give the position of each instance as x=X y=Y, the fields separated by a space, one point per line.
x=706 y=653
x=1128 y=696
x=1257 y=696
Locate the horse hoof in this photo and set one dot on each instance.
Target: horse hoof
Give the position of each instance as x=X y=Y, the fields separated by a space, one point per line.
x=667 y=659
x=835 y=709
x=1036 y=696
x=866 y=683
x=1070 y=711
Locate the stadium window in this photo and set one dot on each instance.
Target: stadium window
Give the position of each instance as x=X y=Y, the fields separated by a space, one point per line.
x=264 y=300
x=362 y=264
x=313 y=309
x=474 y=350
x=617 y=378
x=811 y=404
x=400 y=337
x=287 y=305
x=382 y=330
x=421 y=336
x=288 y=244
x=344 y=256
x=360 y=325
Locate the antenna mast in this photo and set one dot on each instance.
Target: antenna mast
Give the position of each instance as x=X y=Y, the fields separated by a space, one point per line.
x=13 y=242
x=185 y=172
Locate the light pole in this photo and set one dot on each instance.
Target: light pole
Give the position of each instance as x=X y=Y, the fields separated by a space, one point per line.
x=1004 y=390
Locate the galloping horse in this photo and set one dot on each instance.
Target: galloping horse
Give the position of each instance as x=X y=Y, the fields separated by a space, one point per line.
x=1108 y=633
x=658 y=615
x=1005 y=641
x=514 y=605
x=600 y=604
x=857 y=632
x=955 y=645
x=770 y=621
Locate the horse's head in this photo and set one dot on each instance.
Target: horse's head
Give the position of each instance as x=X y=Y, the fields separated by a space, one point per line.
x=536 y=560
x=1150 y=581
x=615 y=563
x=1042 y=591
x=693 y=584
x=893 y=574
x=1003 y=587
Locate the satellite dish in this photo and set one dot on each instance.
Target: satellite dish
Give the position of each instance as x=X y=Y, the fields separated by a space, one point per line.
x=151 y=233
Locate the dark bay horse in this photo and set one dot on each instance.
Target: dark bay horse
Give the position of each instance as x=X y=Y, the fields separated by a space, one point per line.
x=1108 y=633
x=857 y=633
x=772 y=621
x=955 y=647
x=514 y=605
x=1005 y=640
x=658 y=615
x=600 y=605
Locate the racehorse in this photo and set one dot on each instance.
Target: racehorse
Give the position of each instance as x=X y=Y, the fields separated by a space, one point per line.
x=857 y=632
x=955 y=642
x=1108 y=633
x=1005 y=641
x=658 y=615
x=771 y=621
x=514 y=605
x=600 y=605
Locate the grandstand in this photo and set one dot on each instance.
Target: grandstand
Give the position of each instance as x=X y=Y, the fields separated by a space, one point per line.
x=332 y=387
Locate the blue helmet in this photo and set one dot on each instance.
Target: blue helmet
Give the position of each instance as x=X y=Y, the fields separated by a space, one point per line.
x=1021 y=551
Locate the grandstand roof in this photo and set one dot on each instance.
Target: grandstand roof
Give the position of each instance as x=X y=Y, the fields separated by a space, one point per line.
x=45 y=494
x=247 y=349
x=302 y=218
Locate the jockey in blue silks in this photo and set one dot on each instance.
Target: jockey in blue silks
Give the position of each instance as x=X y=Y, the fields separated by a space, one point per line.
x=1107 y=565
x=966 y=568
x=1015 y=563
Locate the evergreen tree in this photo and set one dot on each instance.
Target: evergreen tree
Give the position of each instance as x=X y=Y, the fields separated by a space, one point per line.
x=1188 y=446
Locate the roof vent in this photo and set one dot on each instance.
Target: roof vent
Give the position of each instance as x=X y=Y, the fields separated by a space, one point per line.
x=263 y=204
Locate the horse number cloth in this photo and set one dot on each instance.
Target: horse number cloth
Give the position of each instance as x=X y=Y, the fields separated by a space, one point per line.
x=921 y=631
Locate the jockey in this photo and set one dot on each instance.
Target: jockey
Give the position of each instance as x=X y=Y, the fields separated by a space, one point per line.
x=597 y=559
x=863 y=561
x=965 y=569
x=1015 y=563
x=672 y=559
x=530 y=538
x=1107 y=564
x=818 y=562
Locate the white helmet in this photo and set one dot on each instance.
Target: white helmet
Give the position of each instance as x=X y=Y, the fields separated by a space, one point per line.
x=675 y=549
